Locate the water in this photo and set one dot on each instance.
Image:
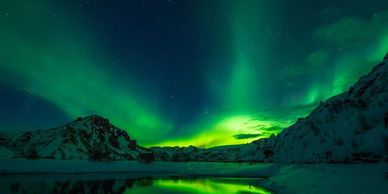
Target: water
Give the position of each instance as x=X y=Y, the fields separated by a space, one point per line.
x=93 y=185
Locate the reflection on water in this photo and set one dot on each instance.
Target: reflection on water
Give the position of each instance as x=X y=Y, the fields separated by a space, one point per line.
x=199 y=185
x=172 y=185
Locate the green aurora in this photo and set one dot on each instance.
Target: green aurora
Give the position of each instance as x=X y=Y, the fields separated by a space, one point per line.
x=256 y=71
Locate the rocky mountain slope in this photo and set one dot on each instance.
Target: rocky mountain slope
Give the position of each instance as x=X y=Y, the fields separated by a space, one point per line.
x=91 y=137
x=350 y=127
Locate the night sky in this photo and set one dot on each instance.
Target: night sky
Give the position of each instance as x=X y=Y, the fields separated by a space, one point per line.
x=182 y=72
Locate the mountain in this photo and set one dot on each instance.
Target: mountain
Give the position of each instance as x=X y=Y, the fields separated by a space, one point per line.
x=91 y=137
x=230 y=153
x=349 y=127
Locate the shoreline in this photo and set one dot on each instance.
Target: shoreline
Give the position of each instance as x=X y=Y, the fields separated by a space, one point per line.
x=281 y=178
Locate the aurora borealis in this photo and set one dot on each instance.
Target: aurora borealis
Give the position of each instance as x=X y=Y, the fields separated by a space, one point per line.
x=192 y=72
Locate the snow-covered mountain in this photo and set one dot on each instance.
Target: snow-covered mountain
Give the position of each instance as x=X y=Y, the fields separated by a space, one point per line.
x=91 y=137
x=230 y=153
x=350 y=127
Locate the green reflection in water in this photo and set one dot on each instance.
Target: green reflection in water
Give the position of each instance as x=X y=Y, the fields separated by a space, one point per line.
x=198 y=186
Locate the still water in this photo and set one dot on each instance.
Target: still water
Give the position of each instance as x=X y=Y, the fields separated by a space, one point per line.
x=166 y=185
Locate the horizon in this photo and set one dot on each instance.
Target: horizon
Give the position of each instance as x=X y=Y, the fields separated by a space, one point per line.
x=183 y=73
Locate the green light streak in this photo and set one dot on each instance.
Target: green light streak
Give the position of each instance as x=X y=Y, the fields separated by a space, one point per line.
x=222 y=130
x=381 y=50
x=249 y=47
x=72 y=75
x=242 y=85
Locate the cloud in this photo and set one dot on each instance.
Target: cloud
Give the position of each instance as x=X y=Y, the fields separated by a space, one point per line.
x=272 y=128
x=351 y=30
x=247 y=136
x=265 y=131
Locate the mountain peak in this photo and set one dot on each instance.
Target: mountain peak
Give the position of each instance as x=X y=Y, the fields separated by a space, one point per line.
x=94 y=123
x=94 y=119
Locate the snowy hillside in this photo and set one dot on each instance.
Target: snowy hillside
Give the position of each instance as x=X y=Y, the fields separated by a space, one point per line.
x=350 y=127
x=91 y=137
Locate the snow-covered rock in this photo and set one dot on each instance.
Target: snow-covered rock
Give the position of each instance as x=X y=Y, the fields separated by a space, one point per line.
x=350 y=127
x=91 y=137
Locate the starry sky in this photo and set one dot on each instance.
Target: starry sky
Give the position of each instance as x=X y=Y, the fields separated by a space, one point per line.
x=182 y=72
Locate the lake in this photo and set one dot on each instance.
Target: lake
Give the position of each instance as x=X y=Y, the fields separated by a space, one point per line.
x=96 y=184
